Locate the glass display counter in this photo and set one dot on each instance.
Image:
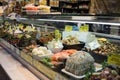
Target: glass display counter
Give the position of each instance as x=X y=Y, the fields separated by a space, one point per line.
x=101 y=27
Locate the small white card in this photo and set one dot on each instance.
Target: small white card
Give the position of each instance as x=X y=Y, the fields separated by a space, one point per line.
x=94 y=44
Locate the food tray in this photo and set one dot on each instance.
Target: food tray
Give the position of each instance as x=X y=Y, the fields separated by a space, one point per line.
x=76 y=46
x=97 y=68
x=98 y=57
x=72 y=75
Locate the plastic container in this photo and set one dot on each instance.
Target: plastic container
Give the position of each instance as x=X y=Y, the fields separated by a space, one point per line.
x=76 y=46
x=98 y=57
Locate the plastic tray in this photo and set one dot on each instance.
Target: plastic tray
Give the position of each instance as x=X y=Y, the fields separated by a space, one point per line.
x=97 y=68
x=98 y=57
x=76 y=46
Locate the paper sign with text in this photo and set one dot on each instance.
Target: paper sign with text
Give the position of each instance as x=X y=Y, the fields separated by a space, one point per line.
x=114 y=59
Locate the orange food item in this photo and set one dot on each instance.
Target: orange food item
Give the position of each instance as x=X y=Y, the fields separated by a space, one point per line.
x=70 y=51
x=63 y=54
x=60 y=54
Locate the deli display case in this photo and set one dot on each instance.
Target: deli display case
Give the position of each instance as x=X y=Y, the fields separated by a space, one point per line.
x=38 y=43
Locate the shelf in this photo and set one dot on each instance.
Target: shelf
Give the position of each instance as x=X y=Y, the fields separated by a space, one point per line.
x=56 y=8
x=69 y=2
x=81 y=9
x=70 y=8
x=76 y=2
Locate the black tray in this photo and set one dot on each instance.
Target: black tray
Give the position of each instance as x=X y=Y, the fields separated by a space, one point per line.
x=76 y=46
x=98 y=57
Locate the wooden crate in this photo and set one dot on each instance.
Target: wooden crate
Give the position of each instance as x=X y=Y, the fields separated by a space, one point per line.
x=27 y=57
x=53 y=75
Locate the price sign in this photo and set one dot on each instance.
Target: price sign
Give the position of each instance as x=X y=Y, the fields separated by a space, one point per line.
x=68 y=28
x=10 y=31
x=57 y=35
x=27 y=28
x=81 y=29
x=86 y=28
x=33 y=28
x=94 y=44
x=20 y=26
x=114 y=59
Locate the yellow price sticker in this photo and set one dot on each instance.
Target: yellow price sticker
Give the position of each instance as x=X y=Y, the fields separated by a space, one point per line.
x=114 y=59
x=81 y=29
x=10 y=31
x=57 y=31
x=20 y=26
x=86 y=28
x=68 y=28
x=57 y=35
x=27 y=28
x=33 y=28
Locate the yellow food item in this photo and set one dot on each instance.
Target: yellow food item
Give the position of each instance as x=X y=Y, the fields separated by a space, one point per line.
x=102 y=39
x=70 y=40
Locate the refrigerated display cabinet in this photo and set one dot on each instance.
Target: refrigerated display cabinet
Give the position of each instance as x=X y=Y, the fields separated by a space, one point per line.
x=101 y=26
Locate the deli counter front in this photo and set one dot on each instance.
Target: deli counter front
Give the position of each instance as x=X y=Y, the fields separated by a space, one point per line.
x=65 y=48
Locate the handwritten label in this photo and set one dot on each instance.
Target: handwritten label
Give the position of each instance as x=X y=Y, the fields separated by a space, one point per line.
x=68 y=28
x=94 y=44
x=114 y=59
x=84 y=28
x=81 y=29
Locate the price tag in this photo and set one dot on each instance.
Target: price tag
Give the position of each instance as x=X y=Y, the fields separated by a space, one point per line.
x=57 y=35
x=81 y=29
x=114 y=59
x=33 y=28
x=27 y=28
x=20 y=26
x=94 y=44
x=86 y=28
x=68 y=28
x=10 y=31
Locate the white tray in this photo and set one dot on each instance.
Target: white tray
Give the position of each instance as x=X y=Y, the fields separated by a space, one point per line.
x=72 y=75
x=97 y=68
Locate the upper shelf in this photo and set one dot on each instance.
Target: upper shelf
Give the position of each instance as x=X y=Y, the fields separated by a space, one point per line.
x=105 y=20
